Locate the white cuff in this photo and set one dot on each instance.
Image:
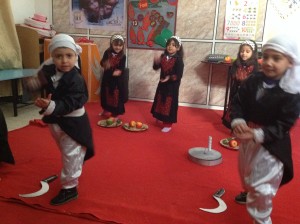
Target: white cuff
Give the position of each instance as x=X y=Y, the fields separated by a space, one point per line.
x=259 y=135
x=50 y=108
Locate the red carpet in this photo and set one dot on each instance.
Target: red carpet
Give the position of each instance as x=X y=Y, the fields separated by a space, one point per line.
x=137 y=178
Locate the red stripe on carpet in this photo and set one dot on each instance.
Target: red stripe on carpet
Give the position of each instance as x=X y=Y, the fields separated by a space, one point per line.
x=146 y=177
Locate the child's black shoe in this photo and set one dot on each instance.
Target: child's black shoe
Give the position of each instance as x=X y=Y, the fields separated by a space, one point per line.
x=241 y=198
x=64 y=196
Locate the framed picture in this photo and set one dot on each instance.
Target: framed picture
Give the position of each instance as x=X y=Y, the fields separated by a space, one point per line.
x=98 y=14
x=150 y=23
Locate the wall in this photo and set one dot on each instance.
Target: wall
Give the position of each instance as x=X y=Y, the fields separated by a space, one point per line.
x=281 y=20
x=202 y=85
x=22 y=9
x=26 y=8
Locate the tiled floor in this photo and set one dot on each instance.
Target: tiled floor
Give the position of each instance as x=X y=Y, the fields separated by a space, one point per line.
x=25 y=114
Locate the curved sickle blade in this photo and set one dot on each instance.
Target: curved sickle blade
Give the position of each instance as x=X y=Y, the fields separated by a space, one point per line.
x=43 y=190
x=221 y=208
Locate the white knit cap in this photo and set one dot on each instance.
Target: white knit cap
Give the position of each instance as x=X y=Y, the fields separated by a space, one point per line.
x=286 y=45
x=64 y=40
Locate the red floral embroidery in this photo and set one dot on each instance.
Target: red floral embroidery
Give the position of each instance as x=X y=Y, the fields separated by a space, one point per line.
x=112 y=100
x=114 y=61
x=167 y=65
x=163 y=108
x=243 y=72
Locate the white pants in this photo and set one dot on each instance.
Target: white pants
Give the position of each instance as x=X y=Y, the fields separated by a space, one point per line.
x=72 y=157
x=261 y=174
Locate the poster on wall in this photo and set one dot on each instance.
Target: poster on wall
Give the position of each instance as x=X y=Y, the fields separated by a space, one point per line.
x=285 y=8
x=150 y=23
x=98 y=14
x=240 y=19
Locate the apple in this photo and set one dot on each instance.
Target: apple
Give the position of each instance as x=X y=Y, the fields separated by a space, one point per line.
x=260 y=61
x=110 y=121
x=233 y=143
x=227 y=59
x=139 y=124
x=132 y=124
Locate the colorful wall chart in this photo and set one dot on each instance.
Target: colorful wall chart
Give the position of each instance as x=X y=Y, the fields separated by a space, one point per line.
x=240 y=19
x=150 y=23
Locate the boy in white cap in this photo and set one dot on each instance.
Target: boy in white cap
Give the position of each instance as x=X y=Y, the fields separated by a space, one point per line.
x=264 y=110
x=64 y=111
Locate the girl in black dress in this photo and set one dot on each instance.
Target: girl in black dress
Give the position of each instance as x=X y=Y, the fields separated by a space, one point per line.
x=245 y=64
x=112 y=85
x=170 y=63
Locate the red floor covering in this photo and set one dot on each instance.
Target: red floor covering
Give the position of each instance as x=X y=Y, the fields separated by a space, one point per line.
x=137 y=177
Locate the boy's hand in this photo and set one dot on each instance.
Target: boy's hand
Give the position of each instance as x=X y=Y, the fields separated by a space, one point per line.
x=43 y=102
x=243 y=132
x=246 y=135
x=32 y=84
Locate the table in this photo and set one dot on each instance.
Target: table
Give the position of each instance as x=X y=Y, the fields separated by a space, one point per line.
x=14 y=75
x=228 y=83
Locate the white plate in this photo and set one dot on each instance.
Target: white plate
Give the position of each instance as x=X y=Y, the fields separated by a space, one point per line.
x=134 y=129
x=225 y=143
x=103 y=123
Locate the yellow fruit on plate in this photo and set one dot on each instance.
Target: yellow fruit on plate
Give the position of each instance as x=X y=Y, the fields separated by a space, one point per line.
x=132 y=124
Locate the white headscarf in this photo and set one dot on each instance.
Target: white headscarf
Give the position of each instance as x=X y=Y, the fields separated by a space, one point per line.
x=64 y=40
x=286 y=45
x=116 y=37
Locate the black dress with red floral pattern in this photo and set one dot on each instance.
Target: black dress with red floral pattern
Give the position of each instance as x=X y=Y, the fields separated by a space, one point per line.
x=238 y=75
x=112 y=99
x=165 y=105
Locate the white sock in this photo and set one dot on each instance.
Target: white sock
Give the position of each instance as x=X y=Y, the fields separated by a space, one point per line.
x=166 y=129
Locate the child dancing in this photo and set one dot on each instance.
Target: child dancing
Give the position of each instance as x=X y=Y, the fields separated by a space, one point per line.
x=245 y=64
x=112 y=85
x=165 y=104
x=264 y=110
x=64 y=111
